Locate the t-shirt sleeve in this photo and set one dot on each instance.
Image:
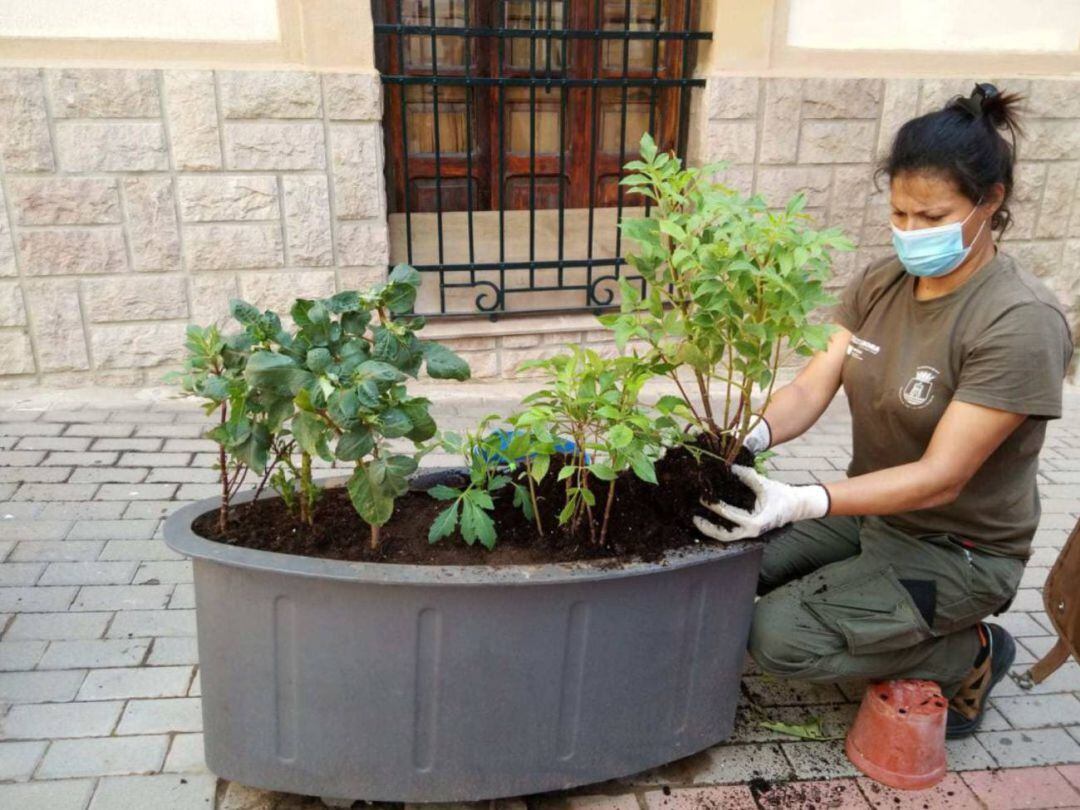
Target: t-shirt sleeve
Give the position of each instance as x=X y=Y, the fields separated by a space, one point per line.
x=1019 y=362
x=849 y=309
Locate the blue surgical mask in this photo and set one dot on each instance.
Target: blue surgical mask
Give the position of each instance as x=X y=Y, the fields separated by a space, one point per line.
x=933 y=251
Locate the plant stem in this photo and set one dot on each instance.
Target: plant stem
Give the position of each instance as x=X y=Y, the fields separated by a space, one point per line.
x=532 y=497
x=305 y=488
x=223 y=510
x=374 y=537
x=607 y=512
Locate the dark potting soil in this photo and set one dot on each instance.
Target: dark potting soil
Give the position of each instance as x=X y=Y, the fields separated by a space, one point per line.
x=646 y=521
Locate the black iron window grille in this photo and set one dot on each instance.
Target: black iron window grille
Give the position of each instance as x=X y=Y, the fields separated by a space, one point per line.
x=507 y=124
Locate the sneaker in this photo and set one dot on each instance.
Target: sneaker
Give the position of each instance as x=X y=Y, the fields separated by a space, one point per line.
x=968 y=705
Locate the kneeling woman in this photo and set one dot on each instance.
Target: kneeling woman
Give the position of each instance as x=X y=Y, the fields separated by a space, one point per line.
x=952 y=357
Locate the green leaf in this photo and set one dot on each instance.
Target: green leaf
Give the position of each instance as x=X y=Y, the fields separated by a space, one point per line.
x=812 y=729
x=443 y=364
x=368 y=498
x=602 y=471
x=476 y=524
x=276 y=372
x=423 y=426
x=538 y=466
x=643 y=468
x=379 y=372
x=242 y=311
x=394 y=423
x=355 y=444
x=348 y=301
x=444 y=524
x=318 y=360
x=566 y=472
x=310 y=432
x=441 y=492
x=620 y=436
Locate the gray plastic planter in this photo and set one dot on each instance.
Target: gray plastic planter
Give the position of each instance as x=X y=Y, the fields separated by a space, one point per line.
x=425 y=683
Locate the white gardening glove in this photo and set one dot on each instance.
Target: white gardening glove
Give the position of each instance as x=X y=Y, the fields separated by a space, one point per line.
x=758 y=439
x=777 y=505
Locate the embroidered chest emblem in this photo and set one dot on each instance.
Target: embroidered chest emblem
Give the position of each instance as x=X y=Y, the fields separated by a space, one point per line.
x=918 y=392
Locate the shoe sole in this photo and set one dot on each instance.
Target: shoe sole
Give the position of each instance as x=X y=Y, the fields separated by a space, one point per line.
x=969 y=727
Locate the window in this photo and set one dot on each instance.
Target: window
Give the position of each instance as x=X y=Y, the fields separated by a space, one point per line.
x=525 y=106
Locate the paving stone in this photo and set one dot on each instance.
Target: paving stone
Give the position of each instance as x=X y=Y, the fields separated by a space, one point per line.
x=151 y=509
x=88 y=459
x=196 y=492
x=112 y=530
x=190 y=445
x=26 y=475
x=135 y=492
x=131 y=459
x=20 y=655
x=167 y=651
x=1021 y=748
x=183 y=597
x=163 y=791
x=82 y=510
x=30 y=429
x=109 y=475
x=843 y=794
x=968 y=754
x=1022 y=787
x=141 y=682
x=768 y=691
x=70 y=794
x=58 y=626
x=819 y=760
x=164 y=572
x=177 y=431
x=93 y=653
x=55 y=492
x=720 y=764
x=13 y=574
x=55 y=550
x=101 y=430
x=138 y=550
x=143 y=445
x=951 y=792
x=40 y=687
x=89 y=573
x=21 y=510
x=122 y=597
x=42 y=721
x=16 y=529
x=186 y=754
x=1035 y=711
x=82 y=415
x=162 y=715
x=35 y=599
x=18 y=760
x=196 y=685
x=735 y=798
x=101 y=756
x=73 y=443
x=184 y=475
x=142 y=417
x=147 y=623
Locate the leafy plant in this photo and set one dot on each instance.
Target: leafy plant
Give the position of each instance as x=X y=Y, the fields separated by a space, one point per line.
x=332 y=387
x=213 y=370
x=728 y=284
x=594 y=402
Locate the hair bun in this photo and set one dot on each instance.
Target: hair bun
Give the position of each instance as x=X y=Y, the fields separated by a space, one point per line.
x=989 y=103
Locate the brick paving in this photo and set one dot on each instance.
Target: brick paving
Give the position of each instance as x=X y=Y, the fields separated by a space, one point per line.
x=99 y=689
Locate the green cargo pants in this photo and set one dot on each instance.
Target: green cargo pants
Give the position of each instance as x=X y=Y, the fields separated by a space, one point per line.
x=852 y=597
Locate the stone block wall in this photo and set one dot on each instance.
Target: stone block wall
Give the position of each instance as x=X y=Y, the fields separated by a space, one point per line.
x=137 y=201
x=826 y=136
x=134 y=201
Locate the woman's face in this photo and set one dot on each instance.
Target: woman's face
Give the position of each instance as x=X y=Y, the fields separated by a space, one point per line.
x=926 y=200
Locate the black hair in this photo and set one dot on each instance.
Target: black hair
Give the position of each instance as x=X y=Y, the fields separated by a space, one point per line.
x=964 y=141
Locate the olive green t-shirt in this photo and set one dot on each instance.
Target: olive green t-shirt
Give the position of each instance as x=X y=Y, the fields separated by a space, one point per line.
x=999 y=340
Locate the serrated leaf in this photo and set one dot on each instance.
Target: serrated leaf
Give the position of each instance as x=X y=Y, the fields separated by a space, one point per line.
x=620 y=436
x=476 y=524
x=444 y=524
x=276 y=372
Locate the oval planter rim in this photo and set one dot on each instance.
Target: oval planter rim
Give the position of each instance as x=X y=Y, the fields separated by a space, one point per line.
x=180 y=537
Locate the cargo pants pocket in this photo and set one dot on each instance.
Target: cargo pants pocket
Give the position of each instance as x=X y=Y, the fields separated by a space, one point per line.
x=873 y=612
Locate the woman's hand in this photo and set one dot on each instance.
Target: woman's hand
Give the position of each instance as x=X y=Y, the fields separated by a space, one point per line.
x=777 y=505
